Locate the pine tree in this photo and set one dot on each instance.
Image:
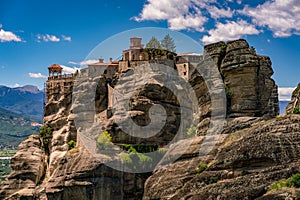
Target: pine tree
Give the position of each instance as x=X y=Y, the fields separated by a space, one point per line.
x=168 y=44
x=153 y=43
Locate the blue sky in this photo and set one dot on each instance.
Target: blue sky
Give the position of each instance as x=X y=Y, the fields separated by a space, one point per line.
x=35 y=34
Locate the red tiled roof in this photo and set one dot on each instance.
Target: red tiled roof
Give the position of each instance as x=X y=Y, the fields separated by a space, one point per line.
x=55 y=66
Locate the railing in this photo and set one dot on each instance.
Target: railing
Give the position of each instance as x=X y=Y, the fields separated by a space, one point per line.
x=64 y=76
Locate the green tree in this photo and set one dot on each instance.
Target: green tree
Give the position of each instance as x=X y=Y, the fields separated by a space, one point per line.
x=168 y=44
x=104 y=141
x=153 y=43
x=46 y=136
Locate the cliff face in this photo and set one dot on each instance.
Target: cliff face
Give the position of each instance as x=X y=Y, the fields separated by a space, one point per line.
x=294 y=105
x=247 y=79
x=253 y=151
x=243 y=165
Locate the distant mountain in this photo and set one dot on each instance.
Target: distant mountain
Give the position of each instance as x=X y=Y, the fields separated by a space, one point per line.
x=14 y=128
x=282 y=106
x=27 y=100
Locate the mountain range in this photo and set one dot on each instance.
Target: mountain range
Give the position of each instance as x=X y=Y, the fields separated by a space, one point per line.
x=26 y=101
x=14 y=128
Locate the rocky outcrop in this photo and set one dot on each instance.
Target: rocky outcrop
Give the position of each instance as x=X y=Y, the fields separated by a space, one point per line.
x=249 y=148
x=247 y=79
x=56 y=116
x=243 y=165
x=294 y=105
x=28 y=168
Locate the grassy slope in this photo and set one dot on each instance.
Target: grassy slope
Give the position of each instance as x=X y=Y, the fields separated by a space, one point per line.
x=14 y=128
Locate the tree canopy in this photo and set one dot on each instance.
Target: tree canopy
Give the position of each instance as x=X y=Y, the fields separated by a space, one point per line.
x=153 y=43
x=168 y=44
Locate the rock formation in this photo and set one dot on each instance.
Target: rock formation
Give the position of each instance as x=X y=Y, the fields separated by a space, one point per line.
x=254 y=149
x=243 y=165
x=294 y=105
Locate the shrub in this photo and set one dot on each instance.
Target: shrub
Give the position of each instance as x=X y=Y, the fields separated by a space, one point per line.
x=278 y=185
x=296 y=110
x=192 y=131
x=201 y=168
x=293 y=181
x=46 y=136
x=71 y=144
x=162 y=151
x=213 y=179
x=244 y=173
x=125 y=158
x=104 y=141
x=141 y=148
x=229 y=93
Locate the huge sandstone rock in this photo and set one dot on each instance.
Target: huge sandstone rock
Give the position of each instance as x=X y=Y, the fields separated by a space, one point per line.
x=243 y=165
x=247 y=78
x=266 y=150
x=28 y=167
x=295 y=101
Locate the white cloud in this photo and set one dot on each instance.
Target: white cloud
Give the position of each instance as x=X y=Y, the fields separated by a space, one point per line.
x=69 y=70
x=36 y=75
x=85 y=62
x=66 y=38
x=8 y=36
x=47 y=38
x=230 y=31
x=285 y=94
x=188 y=22
x=217 y=13
x=180 y=14
x=282 y=17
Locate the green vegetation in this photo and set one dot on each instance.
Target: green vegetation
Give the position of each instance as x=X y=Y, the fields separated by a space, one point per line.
x=292 y=182
x=159 y=53
x=223 y=49
x=153 y=43
x=7 y=152
x=14 y=128
x=135 y=159
x=201 y=168
x=71 y=144
x=244 y=173
x=104 y=141
x=162 y=151
x=141 y=148
x=278 y=185
x=135 y=156
x=296 y=110
x=229 y=96
x=4 y=169
x=191 y=132
x=161 y=50
x=213 y=179
x=168 y=44
x=5 y=163
x=46 y=136
x=229 y=93
x=253 y=50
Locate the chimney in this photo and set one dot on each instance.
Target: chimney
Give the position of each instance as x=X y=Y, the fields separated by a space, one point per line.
x=101 y=60
x=110 y=59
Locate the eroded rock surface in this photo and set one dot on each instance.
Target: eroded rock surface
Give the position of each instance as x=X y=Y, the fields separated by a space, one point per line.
x=251 y=153
x=243 y=165
x=28 y=168
x=294 y=105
